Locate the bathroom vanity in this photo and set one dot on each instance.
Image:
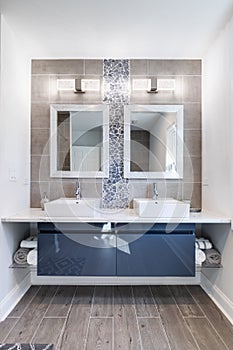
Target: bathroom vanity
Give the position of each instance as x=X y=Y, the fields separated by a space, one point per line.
x=132 y=249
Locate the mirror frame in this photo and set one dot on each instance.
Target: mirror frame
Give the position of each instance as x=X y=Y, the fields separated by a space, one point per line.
x=178 y=109
x=54 y=172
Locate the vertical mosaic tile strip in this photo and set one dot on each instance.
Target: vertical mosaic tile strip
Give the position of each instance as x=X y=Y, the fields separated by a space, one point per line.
x=116 y=94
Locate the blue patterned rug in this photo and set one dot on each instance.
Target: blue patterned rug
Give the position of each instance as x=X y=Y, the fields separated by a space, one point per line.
x=19 y=346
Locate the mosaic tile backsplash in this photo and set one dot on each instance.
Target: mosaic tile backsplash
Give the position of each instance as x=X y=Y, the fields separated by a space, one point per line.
x=116 y=94
x=116 y=77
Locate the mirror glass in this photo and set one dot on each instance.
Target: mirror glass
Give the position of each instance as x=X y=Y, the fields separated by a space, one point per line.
x=153 y=145
x=79 y=140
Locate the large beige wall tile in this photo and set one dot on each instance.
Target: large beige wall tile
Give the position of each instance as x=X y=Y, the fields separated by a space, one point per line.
x=192 y=191
x=39 y=141
x=62 y=188
x=40 y=166
x=58 y=66
x=192 y=116
x=192 y=143
x=91 y=189
x=40 y=115
x=174 y=67
x=169 y=189
x=37 y=191
x=40 y=88
x=192 y=89
x=93 y=66
x=138 y=188
x=192 y=169
x=139 y=67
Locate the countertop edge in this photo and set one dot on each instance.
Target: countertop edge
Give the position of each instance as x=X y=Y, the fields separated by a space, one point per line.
x=31 y=215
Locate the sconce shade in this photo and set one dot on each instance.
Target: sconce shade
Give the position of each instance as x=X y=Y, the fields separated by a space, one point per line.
x=153 y=85
x=78 y=85
x=166 y=84
x=65 y=84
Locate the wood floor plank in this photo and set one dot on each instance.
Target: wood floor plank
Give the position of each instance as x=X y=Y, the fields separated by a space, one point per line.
x=185 y=302
x=49 y=331
x=205 y=335
x=6 y=326
x=178 y=333
x=100 y=334
x=27 y=324
x=126 y=332
x=214 y=315
x=92 y=325
x=60 y=304
x=103 y=302
x=24 y=302
x=152 y=334
x=74 y=336
x=144 y=302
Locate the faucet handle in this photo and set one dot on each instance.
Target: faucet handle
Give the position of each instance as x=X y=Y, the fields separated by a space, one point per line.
x=78 y=190
x=155 y=191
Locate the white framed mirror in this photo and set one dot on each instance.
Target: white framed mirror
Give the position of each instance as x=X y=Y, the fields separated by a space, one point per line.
x=79 y=141
x=153 y=141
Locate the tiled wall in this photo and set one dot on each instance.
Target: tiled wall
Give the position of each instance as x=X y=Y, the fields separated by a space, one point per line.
x=188 y=92
x=116 y=192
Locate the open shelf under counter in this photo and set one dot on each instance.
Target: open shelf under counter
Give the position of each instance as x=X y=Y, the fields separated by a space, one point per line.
x=23 y=266
x=34 y=268
x=118 y=219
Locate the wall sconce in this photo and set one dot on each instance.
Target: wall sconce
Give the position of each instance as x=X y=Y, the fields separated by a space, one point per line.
x=153 y=85
x=166 y=84
x=65 y=84
x=141 y=84
x=78 y=85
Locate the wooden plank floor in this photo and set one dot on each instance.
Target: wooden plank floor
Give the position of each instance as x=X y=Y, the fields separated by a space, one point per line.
x=118 y=318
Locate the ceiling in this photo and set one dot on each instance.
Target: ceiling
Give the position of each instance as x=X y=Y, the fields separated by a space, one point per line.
x=116 y=28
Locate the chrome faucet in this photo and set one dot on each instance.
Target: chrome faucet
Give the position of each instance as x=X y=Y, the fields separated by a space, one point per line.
x=155 y=191
x=78 y=191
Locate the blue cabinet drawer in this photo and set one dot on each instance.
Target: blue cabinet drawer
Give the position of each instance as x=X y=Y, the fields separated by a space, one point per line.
x=156 y=254
x=75 y=254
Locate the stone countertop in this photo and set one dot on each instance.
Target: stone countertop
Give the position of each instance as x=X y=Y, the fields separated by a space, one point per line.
x=113 y=215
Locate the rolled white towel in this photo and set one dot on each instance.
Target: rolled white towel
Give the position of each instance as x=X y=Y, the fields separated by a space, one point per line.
x=32 y=257
x=20 y=256
x=213 y=258
x=203 y=243
x=28 y=244
x=199 y=256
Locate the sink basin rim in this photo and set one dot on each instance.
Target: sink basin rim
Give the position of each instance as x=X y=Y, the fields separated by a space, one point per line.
x=161 y=208
x=70 y=207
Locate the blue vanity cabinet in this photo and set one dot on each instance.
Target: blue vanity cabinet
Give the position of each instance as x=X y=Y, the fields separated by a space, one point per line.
x=158 y=250
x=74 y=250
x=128 y=250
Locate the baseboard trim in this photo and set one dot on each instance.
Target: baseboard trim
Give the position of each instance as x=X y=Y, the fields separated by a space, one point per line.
x=14 y=296
x=82 y=280
x=218 y=297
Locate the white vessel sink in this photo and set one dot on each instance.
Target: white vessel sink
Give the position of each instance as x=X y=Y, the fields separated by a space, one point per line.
x=161 y=208
x=70 y=207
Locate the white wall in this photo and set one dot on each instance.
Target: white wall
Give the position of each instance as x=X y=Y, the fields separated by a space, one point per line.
x=217 y=123
x=14 y=154
x=217 y=140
